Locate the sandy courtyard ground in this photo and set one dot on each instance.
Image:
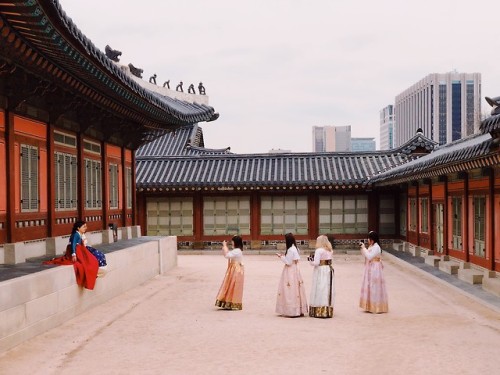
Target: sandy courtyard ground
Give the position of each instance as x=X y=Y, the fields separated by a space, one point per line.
x=169 y=325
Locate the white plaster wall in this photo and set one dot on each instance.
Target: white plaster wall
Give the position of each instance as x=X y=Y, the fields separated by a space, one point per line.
x=94 y=238
x=168 y=253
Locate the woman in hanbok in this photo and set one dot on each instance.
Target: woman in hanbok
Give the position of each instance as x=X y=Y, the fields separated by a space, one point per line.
x=373 y=292
x=323 y=281
x=291 y=300
x=84 y=262
x=230 y=294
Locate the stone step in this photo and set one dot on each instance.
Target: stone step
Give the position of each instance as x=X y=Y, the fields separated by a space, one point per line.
x=414 y=250
x=397 y=246
x=451 y=267
x=432 y=260
x=492 y=285
x=470 y=275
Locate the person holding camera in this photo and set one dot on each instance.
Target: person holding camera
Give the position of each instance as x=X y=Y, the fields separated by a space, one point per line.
x=373 y=292
x=291 y=300
x=230 y=294
x=323 y=281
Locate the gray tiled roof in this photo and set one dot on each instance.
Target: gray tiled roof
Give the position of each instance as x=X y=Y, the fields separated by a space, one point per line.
x=490 y=125
x=418 y=143
x=187 y=140
x=167 y=163
x=442 y=160
x=262 y=169
x=51 y=34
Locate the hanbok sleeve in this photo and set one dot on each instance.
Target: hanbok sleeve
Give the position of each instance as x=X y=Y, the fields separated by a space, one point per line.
x=374 y=252
x=289 y=257
x=317 y=258
x=233 y=253
x=76 y=240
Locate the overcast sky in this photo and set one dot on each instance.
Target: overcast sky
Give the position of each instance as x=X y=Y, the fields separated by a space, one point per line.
x=275 y=68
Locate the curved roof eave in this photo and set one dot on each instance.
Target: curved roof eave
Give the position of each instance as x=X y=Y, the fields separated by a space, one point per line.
x=271 y=170
x=50 y=35
x=443 y=159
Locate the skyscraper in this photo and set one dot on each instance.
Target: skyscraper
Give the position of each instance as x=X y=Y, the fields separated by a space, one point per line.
x=445 y=106
x=323 y=138
x=331 y=138
x=387 y=127
x=363 y=144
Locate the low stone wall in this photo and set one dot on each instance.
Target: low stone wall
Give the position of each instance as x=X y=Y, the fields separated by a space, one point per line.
x=19 y=252
x=35 y=303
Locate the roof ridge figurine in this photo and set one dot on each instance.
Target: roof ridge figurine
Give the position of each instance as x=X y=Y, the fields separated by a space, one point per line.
x=112 y=54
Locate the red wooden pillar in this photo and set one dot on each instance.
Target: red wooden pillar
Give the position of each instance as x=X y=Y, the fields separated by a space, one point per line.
x=140 y=212
x=373 y=214
x=134 y=192
x=491 y=228
x=51 y=189
x=81 y=172
x=445 y=216
x=254 y=216
x=105 y=187
x=431 y=217
x=417 y=209
x=124 y=188
x=408 y=213
x=198 y=216
x=397 y=211
x=466 y=221
x=11 y=181
x=313 y=215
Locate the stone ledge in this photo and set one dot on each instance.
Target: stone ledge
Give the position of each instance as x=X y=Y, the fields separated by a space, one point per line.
x=470 y=275
x=492 y=285
x=19 y=252
x=398 y=246
x=449 y=266
x=432 y=260
x=414 y=250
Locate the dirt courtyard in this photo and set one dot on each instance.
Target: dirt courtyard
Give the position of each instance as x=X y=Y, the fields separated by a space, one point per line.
x=169 y=325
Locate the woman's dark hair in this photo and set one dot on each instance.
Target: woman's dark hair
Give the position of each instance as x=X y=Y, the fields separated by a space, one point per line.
x=372 y=235
x=290 y=241
x=238 y=242
x=77 y=225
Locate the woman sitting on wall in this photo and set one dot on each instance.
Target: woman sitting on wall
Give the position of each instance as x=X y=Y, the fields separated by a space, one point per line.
x=86 y=264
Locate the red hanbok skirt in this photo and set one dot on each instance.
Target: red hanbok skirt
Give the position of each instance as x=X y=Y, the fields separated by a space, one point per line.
x=86 y=265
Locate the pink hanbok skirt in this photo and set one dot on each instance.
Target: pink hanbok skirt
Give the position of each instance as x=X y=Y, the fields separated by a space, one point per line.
x=373 y=292
x=230 y=294
x=291 y=300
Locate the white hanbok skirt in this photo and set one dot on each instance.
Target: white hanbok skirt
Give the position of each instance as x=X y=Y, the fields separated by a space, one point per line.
x=322 y=292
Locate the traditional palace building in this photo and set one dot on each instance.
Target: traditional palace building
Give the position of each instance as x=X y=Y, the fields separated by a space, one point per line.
x=70 y=120
x=439 y=199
